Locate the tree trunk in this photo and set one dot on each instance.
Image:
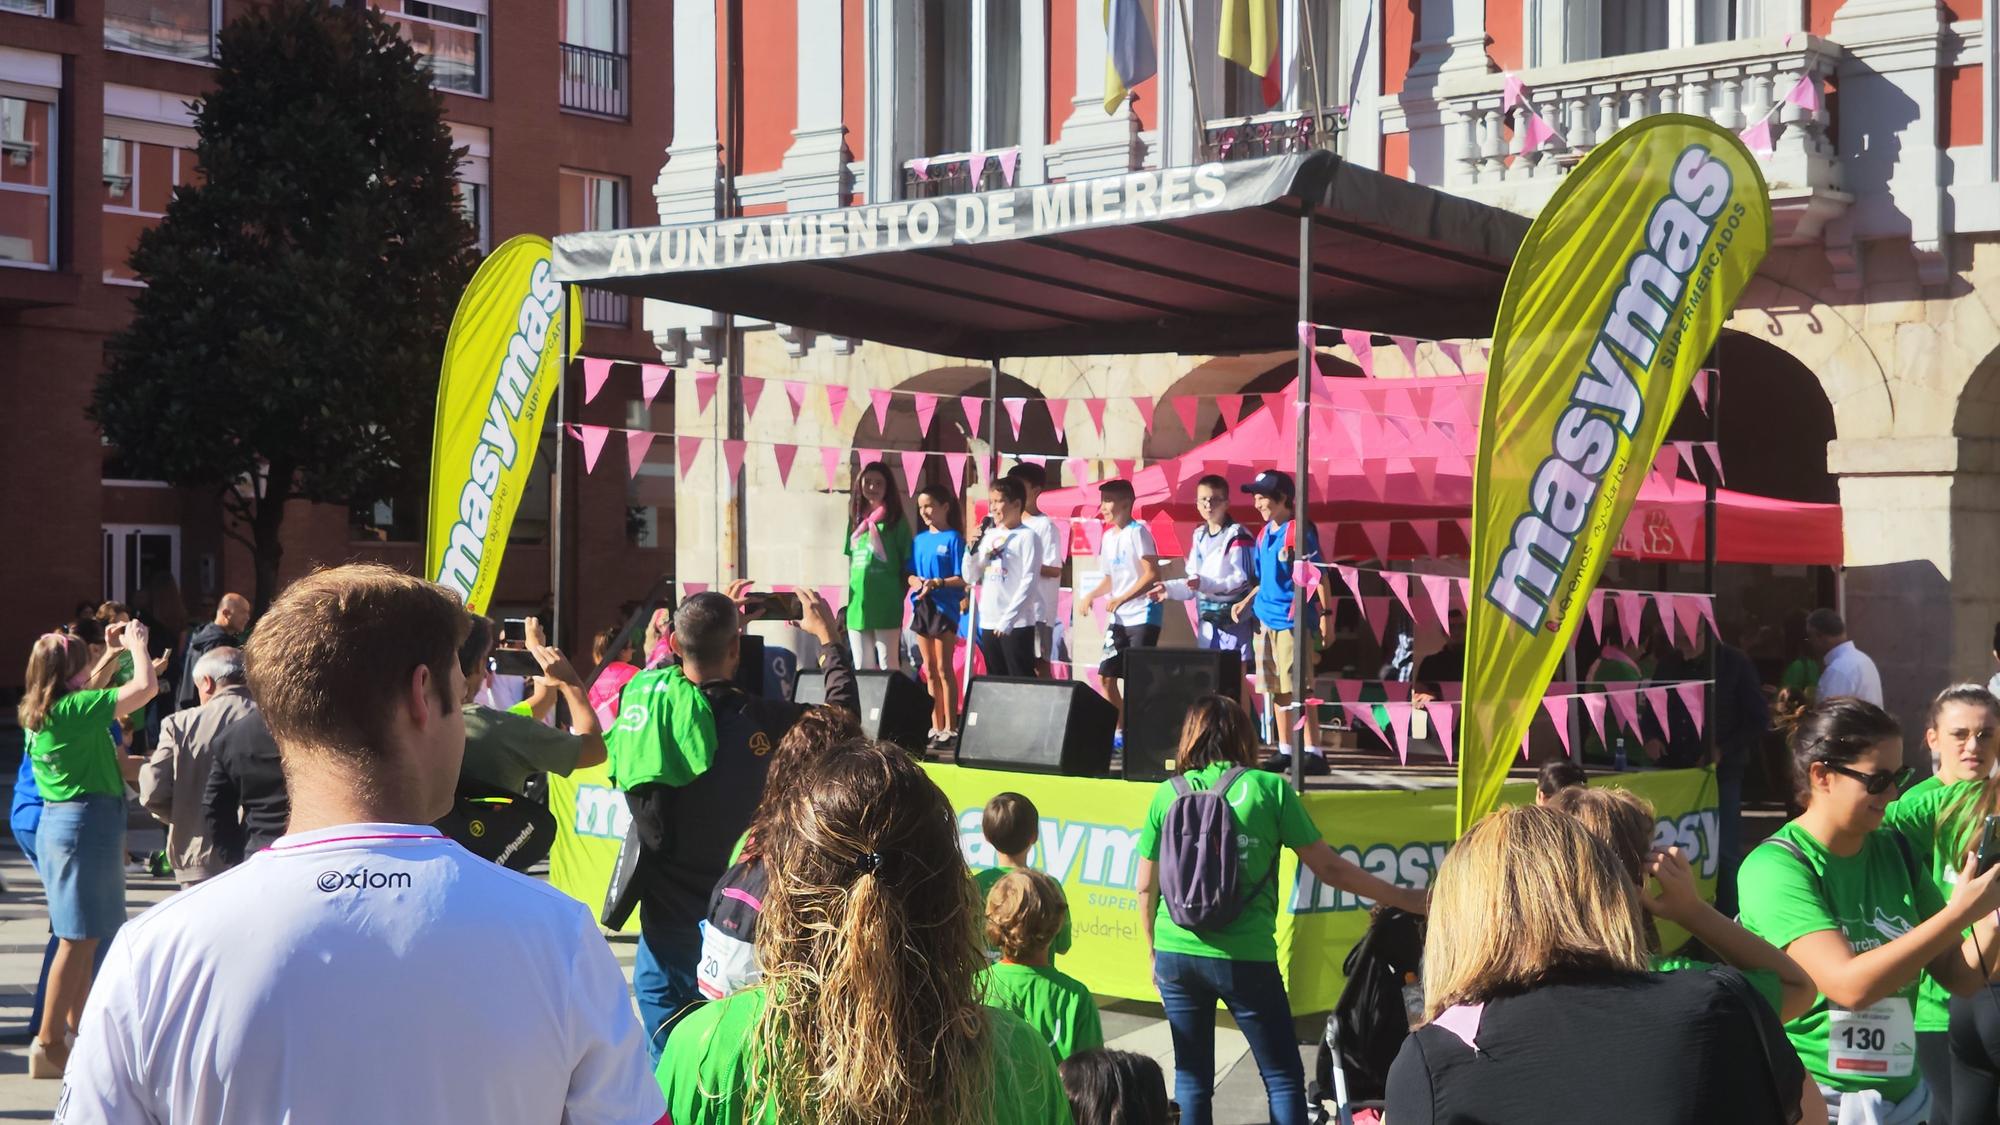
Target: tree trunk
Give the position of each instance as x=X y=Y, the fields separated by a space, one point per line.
x=265 y=528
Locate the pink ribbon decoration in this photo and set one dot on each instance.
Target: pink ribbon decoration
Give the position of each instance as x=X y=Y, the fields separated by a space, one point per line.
x=1305 y=576
x=637 y=444
x=595 y=372
x=879 y=399
x=1558 y=708
x=1757 y=138
x=1593 y=708
x=1511 y=91
x=796 y=392
x=704 y=390
x=653 y=377
x=1364 y=350
x=974 y=408
x=1008 y=160
x=1695 y=699
x=1804 y=93
x=753 y=390
x=1015 y=407
x=1144 y=406
x=922 y=167
x=926 y=410
x=784 y=454
x=688 y=448
x=829 y=462
x=955 y=464
x=1095 y=408
x=1186 y=406
x=593 y=438
x=732 y=456
x=836 y=402
x=1442 y=719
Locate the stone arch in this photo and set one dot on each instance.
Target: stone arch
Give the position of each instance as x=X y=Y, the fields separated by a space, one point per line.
x=948 y=433
x=1254 y=374
x=1772 y=422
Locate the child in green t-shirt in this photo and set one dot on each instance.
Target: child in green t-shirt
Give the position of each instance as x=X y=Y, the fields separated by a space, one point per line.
x=1011 y=823
x=1023 y=914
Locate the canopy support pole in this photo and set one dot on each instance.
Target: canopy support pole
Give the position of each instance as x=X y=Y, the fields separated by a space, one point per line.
x=1302 y=654
x=558 y=511
x=1708 y=539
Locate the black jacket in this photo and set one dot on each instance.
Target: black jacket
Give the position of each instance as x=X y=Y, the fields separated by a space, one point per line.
x=687 y=832
x=246 y=805
x=207 y=637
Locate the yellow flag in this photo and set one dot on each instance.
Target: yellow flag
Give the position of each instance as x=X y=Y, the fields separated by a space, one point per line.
x=502 y=364
x=1249 y=34
x=1619 y=290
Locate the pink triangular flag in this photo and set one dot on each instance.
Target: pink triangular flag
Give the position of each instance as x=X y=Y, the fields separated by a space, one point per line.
x=1376 y=611
x=1425 y=469
x=977 y=165
x=796 y=392
x=1075 y=468
x=1442 y=718
x=1399 y=585
x=1594 y=609
x=1145 y=407
x=1593 y=706
x=913 y=469
x=637 y=444
x=926 y=410
x=1375 y=470
x=595 y=372
x=1536 y=132
x=1701 y=388
x=1558 y=708
x=1058 y=409
x=1667 y=466
x=1007 y=160
x=1095 y=407
x=1186 y=407
x=1626 y=703
x=1714 y=453
x=921 y=166
x=1631 y=612
x=974 y=408
x=1804 y=93
x=704 y=390
x=1694 y=697
x=1349 y=576
x=1363 y=349
x=732 y=456
x=1685 y=449
x=1408 y=346
x=1231 y=409
x=593 y=438
x=784 y=454
x=753 y=390
x=1687 y=611
x=1656 y=698
x=1707 y=607
x=1125 y=467
x=1377 y=534
x=879 y=399
x=1510 y=93
x=1426 y=532
x=688 y=448
x=1305 y=576
x=1399 y=722
x=1453 y=352
x=829 y=462
x=653 y=377
x=836 y=402
x=1437 y=588
x=1015 y=407
x=954 y=463
x=1365 y=712
x=1757 y=138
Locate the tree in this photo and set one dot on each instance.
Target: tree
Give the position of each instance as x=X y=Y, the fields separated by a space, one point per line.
x=298 y=297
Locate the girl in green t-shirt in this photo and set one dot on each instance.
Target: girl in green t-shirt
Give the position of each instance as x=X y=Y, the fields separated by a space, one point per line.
x=869 y=1008
x=878 y=568
x=1849 y=902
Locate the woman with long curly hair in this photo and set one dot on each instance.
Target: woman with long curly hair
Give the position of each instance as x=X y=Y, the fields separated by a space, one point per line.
x=869 y=941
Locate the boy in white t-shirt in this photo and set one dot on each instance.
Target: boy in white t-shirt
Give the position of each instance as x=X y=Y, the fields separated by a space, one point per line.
x=1002 y=558
x=1131 y=566
x=363 y=967
x=1048 y=585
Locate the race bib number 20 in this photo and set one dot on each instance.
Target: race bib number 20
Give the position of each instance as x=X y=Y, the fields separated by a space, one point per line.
x=1879 y=1041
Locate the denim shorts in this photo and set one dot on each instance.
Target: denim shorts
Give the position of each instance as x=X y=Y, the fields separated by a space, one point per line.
x=82 y=865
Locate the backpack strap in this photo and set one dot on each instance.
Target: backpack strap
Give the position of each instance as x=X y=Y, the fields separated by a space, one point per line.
x=1222 y=785
x=1179 y=782
x=1902 y=847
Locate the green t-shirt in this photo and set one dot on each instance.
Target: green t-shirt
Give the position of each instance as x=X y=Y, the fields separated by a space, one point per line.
x=707 y=1061
x=986 y=877
x=73 y=752
x=665 y=731
x=504 y=749
x=1055 y=1004
x=1916 y=814
x=1874 y=900
x=875 y=587
x=1764 y=981
x=1269 y=817
x=1801 y=675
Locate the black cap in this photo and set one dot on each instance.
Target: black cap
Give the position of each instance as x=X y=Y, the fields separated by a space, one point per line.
x=1271 y=482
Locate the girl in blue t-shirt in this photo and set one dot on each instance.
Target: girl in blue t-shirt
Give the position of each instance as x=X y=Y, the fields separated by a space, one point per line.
x=937 y=598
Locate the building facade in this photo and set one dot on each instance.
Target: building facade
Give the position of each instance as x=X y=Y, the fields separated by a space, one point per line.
x=1860 y=367
x=560 y=129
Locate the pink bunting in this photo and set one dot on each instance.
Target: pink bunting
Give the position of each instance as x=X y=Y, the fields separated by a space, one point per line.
x=704 y=390
x=1536 y=131
x=1058 y=409
x=1442 y=719
x=688 y=448
x=1593 y=706
x=1095 y=407
x=926 y=410
x=1399 y=585
x=1363 y=349
x=1707 y=607
x=1694 y=697
x=1376 y=611
x=1656 y=698
x=1126 y=466
x=1454 y=353
x=955 y=464
x=829 y=462
x=732 y=456
x=834 y=597
x=1408 y=347
x=637 y=444
x=1804 y=93
x=974 y=408
x=836 y=402
x=1015 y=408
x=1757 y=138
x=1377 y=534
x=1667 y=465
x=1437 y=588
x=653 y=377
x=977 y=166
x=1714 y=452
x=1701 y=388
x=1008 y=160
x=784 y=454
x=1558 y=708
x=1231 y=409
x=1075 y=468
x=1427 y=533
x=1350 y=577
x=593 y=438
x=913 y=469
x=1399 y=722
x=1511 y=91
x=1687 y=612
x=595 y=372
x=1626 y=704
x=879 y=399
x=1365 y=712
x=1594 y=609
x=922 y=167
x=1305 y=576
x=1144 y=406
x=1631 y=611
x=1186 y=407
x=1375 y=471
x=796 y=392
x=1425 y=469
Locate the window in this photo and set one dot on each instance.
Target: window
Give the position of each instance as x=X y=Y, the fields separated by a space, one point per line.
x=1600 y=29
x=175 y=29
x=472 y=205
x=27 y=7
x=590 y=202
x=594 y=64
x=966 y=56
x=451 y=38
x=596 y=24
x=27 y=186
x=475 y=174
x=139 y=180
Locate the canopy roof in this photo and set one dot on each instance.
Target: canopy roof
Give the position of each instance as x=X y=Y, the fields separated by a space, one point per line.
x=1197 y=260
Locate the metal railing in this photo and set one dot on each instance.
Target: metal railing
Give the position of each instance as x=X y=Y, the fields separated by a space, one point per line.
x=1270 y=134
x=595 y=81
x=601 y=306
x=950 y=175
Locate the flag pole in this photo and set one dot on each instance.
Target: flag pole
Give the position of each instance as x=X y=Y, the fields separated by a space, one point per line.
x=1194 y=82
x=1309 y=51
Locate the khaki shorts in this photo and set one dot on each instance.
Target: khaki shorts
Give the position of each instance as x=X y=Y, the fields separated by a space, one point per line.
x=1277 y=653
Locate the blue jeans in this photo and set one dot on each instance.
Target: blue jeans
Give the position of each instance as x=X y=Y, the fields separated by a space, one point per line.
x=25 y=840
x=1255 y=992
x=664 y=983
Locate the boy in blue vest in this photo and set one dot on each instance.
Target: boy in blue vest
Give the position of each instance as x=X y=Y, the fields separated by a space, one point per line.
x=1282 y=543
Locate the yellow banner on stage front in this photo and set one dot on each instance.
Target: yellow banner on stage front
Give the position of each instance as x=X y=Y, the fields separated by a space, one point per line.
x=502 y=364
x=1617 y=293
x=1090 y=843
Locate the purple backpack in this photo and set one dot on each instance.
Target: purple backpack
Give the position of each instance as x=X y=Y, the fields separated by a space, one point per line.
x=1200 y=865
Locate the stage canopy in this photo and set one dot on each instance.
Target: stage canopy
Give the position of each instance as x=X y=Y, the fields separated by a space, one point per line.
x=1199 y=260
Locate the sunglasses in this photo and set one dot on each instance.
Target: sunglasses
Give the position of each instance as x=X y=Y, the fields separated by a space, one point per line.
x=1878 y=782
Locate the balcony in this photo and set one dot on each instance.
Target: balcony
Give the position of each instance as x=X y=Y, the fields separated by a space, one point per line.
x=606 y=308
x=952 y=174
x=1271 y=134
x=595 y=82
x=1735 y=84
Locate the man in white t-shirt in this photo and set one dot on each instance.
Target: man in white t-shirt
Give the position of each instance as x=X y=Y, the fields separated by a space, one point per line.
x=1131 y=565
x=1048 y=584
x=1845 y=669
x=1002 y=558
x=363 y=967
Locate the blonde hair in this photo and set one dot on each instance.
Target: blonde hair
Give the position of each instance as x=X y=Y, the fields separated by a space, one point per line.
x=1624 y=821
x=1526 y=894
x=56 y=659
x=870 y=951
x=1024 y=913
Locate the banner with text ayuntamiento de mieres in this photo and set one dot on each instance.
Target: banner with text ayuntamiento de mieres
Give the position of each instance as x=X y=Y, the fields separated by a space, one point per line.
x=1617 y=294
x=502 y=365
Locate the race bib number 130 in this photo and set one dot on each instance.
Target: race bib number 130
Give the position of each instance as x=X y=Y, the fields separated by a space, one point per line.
x=1879 y=1041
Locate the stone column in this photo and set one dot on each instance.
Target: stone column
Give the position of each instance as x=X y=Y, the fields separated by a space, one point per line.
x=1093 y=142
x=1888 y=137
x=815 y=166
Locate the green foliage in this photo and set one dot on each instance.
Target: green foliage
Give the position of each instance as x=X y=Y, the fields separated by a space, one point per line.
x=298 y=296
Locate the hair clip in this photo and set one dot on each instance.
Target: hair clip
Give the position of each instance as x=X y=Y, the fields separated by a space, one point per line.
x=869 y=864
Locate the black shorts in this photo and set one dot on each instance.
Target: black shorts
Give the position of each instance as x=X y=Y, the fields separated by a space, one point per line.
x=927 y=620
x=1119 y=640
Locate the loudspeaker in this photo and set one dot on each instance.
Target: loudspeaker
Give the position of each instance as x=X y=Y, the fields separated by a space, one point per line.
x=1037 y=726
x=894 y=707
x=750 y=670
x=1159 y=685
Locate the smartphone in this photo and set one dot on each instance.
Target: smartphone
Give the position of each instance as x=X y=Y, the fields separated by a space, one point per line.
x=514 y=631
x=776 y=607
x=1989 y=843
x=514 y=662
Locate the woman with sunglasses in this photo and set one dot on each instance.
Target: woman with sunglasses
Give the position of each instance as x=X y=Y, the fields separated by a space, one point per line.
x=1842 y=890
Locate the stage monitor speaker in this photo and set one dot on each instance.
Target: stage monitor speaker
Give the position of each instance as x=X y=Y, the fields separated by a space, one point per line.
x=1037 y=726
x=894 y=707
x=1159 y=685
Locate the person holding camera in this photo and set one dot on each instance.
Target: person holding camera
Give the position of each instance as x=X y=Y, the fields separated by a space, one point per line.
x=503 y=749
x=691 y=751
